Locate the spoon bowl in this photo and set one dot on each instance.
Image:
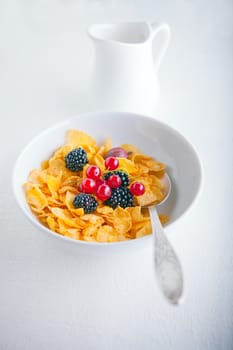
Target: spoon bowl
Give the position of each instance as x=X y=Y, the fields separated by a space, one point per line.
x=166 y=181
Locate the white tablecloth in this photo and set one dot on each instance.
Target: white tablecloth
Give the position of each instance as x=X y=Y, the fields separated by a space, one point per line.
x=54 y=297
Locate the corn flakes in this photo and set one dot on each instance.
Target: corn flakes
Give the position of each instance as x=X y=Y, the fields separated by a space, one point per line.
x=50 y=193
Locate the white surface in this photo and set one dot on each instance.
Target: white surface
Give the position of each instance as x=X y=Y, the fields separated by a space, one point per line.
x=54 y=297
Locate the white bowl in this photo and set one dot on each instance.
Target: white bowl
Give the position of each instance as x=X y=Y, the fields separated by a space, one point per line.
x=150 y=135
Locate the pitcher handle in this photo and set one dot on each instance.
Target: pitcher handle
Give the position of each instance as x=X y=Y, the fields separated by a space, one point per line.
x=164 y=30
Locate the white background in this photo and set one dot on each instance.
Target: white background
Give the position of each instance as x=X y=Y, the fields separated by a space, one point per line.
x=51 y=295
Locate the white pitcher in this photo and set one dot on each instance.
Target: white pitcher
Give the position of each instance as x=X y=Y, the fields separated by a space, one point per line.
x=127 y=59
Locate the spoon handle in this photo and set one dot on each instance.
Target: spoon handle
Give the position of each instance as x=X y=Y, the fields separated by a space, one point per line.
x=167 y=265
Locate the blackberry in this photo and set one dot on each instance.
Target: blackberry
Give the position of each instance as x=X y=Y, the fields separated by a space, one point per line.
x=124 y=177
x=120 y=196
x=76 y=159
x=85 y=201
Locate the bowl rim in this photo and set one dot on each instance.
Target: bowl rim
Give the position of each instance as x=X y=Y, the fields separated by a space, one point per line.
x=130 y=242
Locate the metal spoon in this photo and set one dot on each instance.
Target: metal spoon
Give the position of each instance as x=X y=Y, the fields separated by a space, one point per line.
x=167 y=264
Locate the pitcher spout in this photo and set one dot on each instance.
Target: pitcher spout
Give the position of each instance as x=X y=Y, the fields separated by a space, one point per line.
x=125 y=32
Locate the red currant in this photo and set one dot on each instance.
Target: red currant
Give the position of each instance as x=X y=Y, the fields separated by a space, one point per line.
x=137 y=189
x=93 y=172
x=114 y=181
x=111 y=163
x=99 y=182
x=103 y=192
x=88 y=185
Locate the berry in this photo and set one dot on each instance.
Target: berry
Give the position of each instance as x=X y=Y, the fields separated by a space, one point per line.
x=117 y=152
x=85 y=201
x=114 y=181
x=124 y=176
x=120 y=196
x=76 y=159
x=93 y=172
x=88 y=185
x=111 y=163
x=99 y=182
x=137 y=189
x=103 y=192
